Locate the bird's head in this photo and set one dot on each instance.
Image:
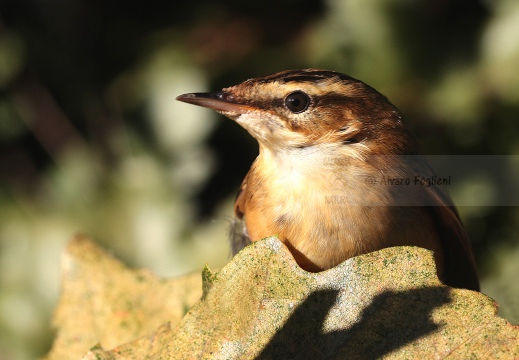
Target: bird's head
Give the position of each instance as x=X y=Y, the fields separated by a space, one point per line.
x=311 y=107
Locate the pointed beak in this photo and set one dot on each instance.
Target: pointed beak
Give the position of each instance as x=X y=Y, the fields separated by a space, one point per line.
x=220 y=101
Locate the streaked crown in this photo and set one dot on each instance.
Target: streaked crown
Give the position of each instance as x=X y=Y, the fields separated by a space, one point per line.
x=300 y=108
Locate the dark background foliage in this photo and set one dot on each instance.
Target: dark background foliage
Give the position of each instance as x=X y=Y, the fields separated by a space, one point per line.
x=91 y=139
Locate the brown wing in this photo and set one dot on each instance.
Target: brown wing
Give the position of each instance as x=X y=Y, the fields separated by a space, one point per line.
x=460 y=267
x=238 y=235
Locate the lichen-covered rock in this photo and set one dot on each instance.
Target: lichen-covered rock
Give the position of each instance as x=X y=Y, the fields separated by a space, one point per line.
x=261 y=305
x=105 y=303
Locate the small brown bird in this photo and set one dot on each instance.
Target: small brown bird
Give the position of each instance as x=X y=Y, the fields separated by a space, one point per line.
x=338 y=174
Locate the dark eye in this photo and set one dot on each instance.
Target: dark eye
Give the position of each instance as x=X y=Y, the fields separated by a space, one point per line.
x=297 y=102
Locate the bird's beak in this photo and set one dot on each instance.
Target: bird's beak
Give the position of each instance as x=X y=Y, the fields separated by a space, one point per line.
x=220 y=101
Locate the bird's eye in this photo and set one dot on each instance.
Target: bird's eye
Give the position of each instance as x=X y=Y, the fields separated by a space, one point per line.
x=297 y=102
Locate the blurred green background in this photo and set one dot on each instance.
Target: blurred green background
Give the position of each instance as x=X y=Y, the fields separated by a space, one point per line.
x=92 y=140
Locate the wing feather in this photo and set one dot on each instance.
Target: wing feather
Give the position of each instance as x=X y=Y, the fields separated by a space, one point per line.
x=238 y=235
x=460 y=266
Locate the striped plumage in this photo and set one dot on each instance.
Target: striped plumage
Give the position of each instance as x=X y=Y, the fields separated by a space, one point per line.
x=322 y=136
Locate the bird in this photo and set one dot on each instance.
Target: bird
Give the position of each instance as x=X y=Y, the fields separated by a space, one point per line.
x=336 y=175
